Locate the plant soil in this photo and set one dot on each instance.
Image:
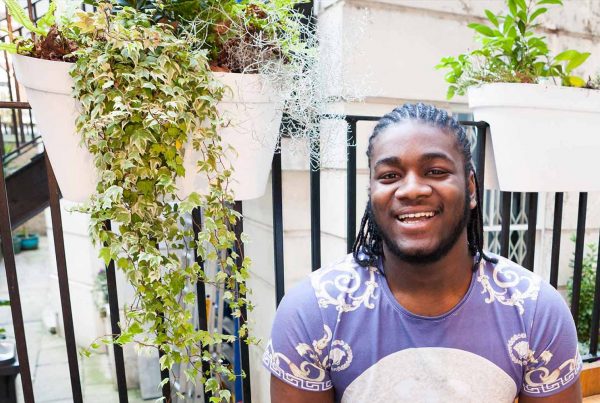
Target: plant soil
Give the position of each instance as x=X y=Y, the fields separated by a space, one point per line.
x=54 y=47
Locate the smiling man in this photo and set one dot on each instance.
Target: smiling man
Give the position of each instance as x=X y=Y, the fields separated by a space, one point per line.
x=419 y=312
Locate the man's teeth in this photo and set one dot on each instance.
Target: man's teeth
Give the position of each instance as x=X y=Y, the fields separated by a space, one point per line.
x=416 y=215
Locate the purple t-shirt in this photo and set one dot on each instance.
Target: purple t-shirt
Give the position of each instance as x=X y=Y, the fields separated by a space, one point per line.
x=511 y=334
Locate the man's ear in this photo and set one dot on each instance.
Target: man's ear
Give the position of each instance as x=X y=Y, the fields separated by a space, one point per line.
x=472 y=191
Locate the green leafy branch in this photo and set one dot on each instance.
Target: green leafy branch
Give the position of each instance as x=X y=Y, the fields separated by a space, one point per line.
x=511 y=51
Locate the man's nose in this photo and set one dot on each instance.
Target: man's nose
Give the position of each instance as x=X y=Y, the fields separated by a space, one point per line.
x=413 y=186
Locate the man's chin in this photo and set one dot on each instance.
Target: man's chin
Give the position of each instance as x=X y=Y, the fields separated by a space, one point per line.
x=416 y=255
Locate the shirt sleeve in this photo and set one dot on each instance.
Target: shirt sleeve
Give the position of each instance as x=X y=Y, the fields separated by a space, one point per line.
x=554 y=362
x=298 y=350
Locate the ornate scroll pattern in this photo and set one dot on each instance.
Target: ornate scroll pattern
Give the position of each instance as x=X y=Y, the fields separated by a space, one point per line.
x=506 y=286
x=341 y=286
x=310 y=374
x=518 y=349
x=539 y=379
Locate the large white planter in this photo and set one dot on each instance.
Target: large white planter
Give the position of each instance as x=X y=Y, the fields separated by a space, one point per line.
x=249 y=105
x=48 y=88
x=254 y=114
x=544 y=138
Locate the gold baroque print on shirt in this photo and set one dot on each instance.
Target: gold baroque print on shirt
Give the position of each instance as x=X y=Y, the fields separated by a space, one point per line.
x=504 y=279
x=340 y=286
x=539 y=379
x=310 y=374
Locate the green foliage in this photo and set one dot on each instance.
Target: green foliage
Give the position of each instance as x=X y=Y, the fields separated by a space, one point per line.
x=46 y=40
x=224 y=27
x=144 y=96
x=18 y=14
x=511 y=52
x=586 y=296
x=23 y=45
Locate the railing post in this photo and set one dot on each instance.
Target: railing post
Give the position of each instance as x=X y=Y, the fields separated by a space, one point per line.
x=245 y=355
x=578 y=261
x=113 y=306
x=201 y=295
x=315 y=204
x=63 y=284
x=277 y=197
x=556 y=234
x=531 y=205
x=505 y=229
x=351 y=185
x=13 y=293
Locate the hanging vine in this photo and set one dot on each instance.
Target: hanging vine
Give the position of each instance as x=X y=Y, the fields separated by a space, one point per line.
x=146 y=96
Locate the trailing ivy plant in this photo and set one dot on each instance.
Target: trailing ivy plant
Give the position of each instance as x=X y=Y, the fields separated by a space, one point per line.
x=511 y=51
x=144 y=94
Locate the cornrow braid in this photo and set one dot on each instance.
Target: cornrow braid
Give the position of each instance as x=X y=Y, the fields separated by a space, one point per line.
x=368 y=245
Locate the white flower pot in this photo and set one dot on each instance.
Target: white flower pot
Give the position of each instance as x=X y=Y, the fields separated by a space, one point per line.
x=48 y=87
x=254 y=114
x=544 y=138
x=250 y=106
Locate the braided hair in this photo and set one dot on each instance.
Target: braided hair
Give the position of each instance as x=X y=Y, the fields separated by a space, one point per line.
x=368 y=245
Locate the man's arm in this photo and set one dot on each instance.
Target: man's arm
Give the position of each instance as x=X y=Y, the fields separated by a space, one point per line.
x=282 y=392
x=570 y=395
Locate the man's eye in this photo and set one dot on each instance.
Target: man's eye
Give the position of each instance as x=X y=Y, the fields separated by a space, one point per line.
x=389 y=175
x=437 y=172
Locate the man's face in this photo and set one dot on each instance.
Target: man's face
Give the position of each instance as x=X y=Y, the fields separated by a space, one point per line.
x=420 y=198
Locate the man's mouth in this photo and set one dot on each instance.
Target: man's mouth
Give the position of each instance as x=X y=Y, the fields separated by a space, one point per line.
x=410 y=218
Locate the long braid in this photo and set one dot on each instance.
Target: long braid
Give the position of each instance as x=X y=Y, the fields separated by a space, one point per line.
x=368 y=245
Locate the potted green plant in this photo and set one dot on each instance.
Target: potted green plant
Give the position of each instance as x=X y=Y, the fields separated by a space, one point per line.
x=259 y=51
x=42 y=65
x=538 y=112
x=28 y=239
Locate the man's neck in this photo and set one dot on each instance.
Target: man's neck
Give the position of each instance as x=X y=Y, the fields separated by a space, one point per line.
x=434 y=288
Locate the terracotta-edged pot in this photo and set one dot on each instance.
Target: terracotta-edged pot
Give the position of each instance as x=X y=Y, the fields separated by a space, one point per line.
x=543 y=137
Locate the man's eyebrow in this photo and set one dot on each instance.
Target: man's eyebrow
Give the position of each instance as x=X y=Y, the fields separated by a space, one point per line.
x=425 y=157
x=387 y=161
x=436 y=155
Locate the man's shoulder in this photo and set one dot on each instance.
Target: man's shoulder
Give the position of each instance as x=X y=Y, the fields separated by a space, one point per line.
x=511 y=284
x=328 y=286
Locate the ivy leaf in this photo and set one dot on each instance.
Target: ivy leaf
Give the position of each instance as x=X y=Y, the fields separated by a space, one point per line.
x=105 y=255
